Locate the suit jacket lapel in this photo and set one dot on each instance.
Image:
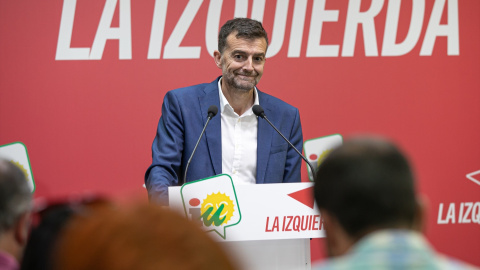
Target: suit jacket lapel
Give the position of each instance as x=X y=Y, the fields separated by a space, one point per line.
x=264 y=138
x=213 y=133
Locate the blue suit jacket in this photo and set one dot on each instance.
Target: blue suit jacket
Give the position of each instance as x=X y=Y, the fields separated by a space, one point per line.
x=184 y=113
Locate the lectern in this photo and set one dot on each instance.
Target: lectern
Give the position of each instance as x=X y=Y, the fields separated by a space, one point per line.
x=265 y=226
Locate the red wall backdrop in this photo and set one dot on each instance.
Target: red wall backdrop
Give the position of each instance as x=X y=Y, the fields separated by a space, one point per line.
x=82 y=82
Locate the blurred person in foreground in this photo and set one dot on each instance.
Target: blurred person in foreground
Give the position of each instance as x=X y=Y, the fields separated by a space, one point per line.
x=137 y=237
x=15 y=205
x=372 y=216
x=49 y=219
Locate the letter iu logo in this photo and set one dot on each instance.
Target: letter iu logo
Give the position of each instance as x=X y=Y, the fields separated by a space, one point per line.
x=212 y=203
x=217 y=208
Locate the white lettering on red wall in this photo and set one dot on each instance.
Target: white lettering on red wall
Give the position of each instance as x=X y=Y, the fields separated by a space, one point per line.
x=355 y=18
x=462 y=213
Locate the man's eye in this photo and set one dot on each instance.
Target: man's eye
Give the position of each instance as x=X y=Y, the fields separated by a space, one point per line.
x=238 y=56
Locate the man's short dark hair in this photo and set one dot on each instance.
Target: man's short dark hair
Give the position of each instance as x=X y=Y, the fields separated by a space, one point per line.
x=244 y=28
x=15 y=194
x=366 y=184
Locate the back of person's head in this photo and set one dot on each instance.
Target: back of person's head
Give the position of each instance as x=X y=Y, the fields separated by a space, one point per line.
x=49 y=219
x=367 y=184
x=15 y=204
x=42 y=238
x=139 y=237
x=243 y=28
x=15 y=194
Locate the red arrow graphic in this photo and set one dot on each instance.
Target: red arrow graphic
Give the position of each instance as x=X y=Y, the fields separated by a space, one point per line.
x=304 y=196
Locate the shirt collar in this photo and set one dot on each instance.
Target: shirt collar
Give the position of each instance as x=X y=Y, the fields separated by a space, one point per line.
x=224 y=101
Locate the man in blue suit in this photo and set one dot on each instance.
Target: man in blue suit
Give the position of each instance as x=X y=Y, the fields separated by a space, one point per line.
x=236 y=142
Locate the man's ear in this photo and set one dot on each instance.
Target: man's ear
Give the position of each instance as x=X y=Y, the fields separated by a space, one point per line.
x=22 y=228
x=421 y=206
x=337 y=240
x=327 y=219
x=329 y=232
x=217 y=56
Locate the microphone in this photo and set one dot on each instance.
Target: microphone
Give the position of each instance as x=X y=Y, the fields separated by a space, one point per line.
x=258 y=111
x=212 y=111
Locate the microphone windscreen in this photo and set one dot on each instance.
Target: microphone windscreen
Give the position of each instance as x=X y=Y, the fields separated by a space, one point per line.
x=258 y=110
x=213 y=110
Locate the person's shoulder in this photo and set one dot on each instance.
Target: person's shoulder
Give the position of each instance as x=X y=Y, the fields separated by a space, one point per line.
x=189 y=95
x=196 y=89
x=189 y=90
x=445 y=262
x=374 y=262
x=272 y=101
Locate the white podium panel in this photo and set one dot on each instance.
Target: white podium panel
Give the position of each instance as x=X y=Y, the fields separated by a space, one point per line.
x=265 y=226
x=287 y=254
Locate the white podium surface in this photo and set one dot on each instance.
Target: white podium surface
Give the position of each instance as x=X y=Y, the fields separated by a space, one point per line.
x=265 y=226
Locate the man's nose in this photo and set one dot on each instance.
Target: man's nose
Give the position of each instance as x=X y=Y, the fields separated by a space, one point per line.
x=248 y=66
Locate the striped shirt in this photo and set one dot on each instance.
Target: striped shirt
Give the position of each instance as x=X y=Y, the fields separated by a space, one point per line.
x=392 y=249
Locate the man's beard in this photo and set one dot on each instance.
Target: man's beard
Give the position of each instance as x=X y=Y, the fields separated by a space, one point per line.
x=234 y=81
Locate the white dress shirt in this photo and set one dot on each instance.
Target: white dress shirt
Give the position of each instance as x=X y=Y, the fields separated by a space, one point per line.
x=239 y=141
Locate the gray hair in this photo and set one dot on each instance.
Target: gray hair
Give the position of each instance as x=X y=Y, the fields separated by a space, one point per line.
x=15 y=194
